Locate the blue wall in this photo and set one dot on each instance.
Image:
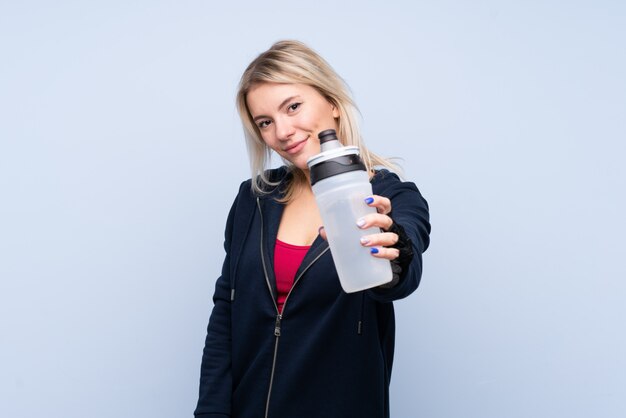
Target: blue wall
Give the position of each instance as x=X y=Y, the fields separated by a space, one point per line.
x=120 y=153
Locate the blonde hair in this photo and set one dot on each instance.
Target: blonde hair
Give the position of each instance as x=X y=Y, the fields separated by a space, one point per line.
x=292 y=62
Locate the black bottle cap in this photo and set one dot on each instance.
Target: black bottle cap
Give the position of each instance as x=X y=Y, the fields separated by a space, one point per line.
x=334 y=158
x=335 y=166
x=327 y=135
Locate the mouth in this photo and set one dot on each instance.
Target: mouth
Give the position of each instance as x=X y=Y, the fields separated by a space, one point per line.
x=296 y=147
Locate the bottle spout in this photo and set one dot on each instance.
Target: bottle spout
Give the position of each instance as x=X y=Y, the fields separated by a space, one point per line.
x=328 y=140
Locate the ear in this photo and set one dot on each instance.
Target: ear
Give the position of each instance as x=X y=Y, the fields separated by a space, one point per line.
x=335 y=111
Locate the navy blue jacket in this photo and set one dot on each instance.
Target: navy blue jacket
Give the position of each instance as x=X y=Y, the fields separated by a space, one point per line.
x=330 y=353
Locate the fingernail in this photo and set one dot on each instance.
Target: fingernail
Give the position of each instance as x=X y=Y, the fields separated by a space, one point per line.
x=374 y=250
x=364 y=241
x=319 y=230
x=369 y=200
x=360 y=222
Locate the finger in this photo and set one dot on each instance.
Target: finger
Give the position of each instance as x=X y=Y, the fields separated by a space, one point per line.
x=386 y=253
x=374 y=219
x=385 y=239
x=382 y=204
x=322 y=233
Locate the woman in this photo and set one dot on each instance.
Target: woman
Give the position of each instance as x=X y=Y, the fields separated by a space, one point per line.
x=284 y=340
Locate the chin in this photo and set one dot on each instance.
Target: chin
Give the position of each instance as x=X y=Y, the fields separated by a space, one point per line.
x=302 y=165
x=298 y=162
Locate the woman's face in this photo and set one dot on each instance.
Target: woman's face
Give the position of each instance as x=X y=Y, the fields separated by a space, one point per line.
x=289 y=117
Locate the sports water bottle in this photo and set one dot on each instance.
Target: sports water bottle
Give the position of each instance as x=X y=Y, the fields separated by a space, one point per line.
x=341 y=184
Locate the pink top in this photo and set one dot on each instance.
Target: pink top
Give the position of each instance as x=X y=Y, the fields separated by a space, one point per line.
x=287 y=259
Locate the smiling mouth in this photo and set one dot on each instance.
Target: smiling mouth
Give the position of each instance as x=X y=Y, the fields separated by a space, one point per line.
x=296 y=145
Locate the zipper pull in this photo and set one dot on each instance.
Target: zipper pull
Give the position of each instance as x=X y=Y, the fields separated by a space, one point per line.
x=277 y=326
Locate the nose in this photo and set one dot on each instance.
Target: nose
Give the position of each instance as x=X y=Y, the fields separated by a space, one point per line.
x=284 y=129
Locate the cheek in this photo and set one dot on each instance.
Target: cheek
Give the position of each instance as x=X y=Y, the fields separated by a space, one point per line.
x=329 y=119
x=268 y=139
x=320 y=120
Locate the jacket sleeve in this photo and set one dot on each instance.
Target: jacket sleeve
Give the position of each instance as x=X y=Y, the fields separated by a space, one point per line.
x=410 y=210
x=214 y=399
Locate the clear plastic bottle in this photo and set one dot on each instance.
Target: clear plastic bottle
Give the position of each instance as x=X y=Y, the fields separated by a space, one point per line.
x=341 y=184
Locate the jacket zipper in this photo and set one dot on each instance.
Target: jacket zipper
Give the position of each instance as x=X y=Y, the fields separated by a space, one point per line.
x=359 y=326
x=279 y=316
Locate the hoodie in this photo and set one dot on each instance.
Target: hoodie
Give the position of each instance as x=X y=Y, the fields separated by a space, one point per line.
x=329 y=353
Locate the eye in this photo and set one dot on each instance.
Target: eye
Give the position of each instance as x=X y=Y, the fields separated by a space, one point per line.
x=293 y=107
x=263 y=124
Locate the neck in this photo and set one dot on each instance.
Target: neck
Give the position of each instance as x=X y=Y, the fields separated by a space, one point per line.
x=300 y=184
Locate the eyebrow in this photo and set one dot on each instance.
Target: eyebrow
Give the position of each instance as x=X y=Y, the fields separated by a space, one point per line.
x=280 y=106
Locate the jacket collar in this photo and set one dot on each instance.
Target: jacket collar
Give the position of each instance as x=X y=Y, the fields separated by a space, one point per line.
x=271 y=212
